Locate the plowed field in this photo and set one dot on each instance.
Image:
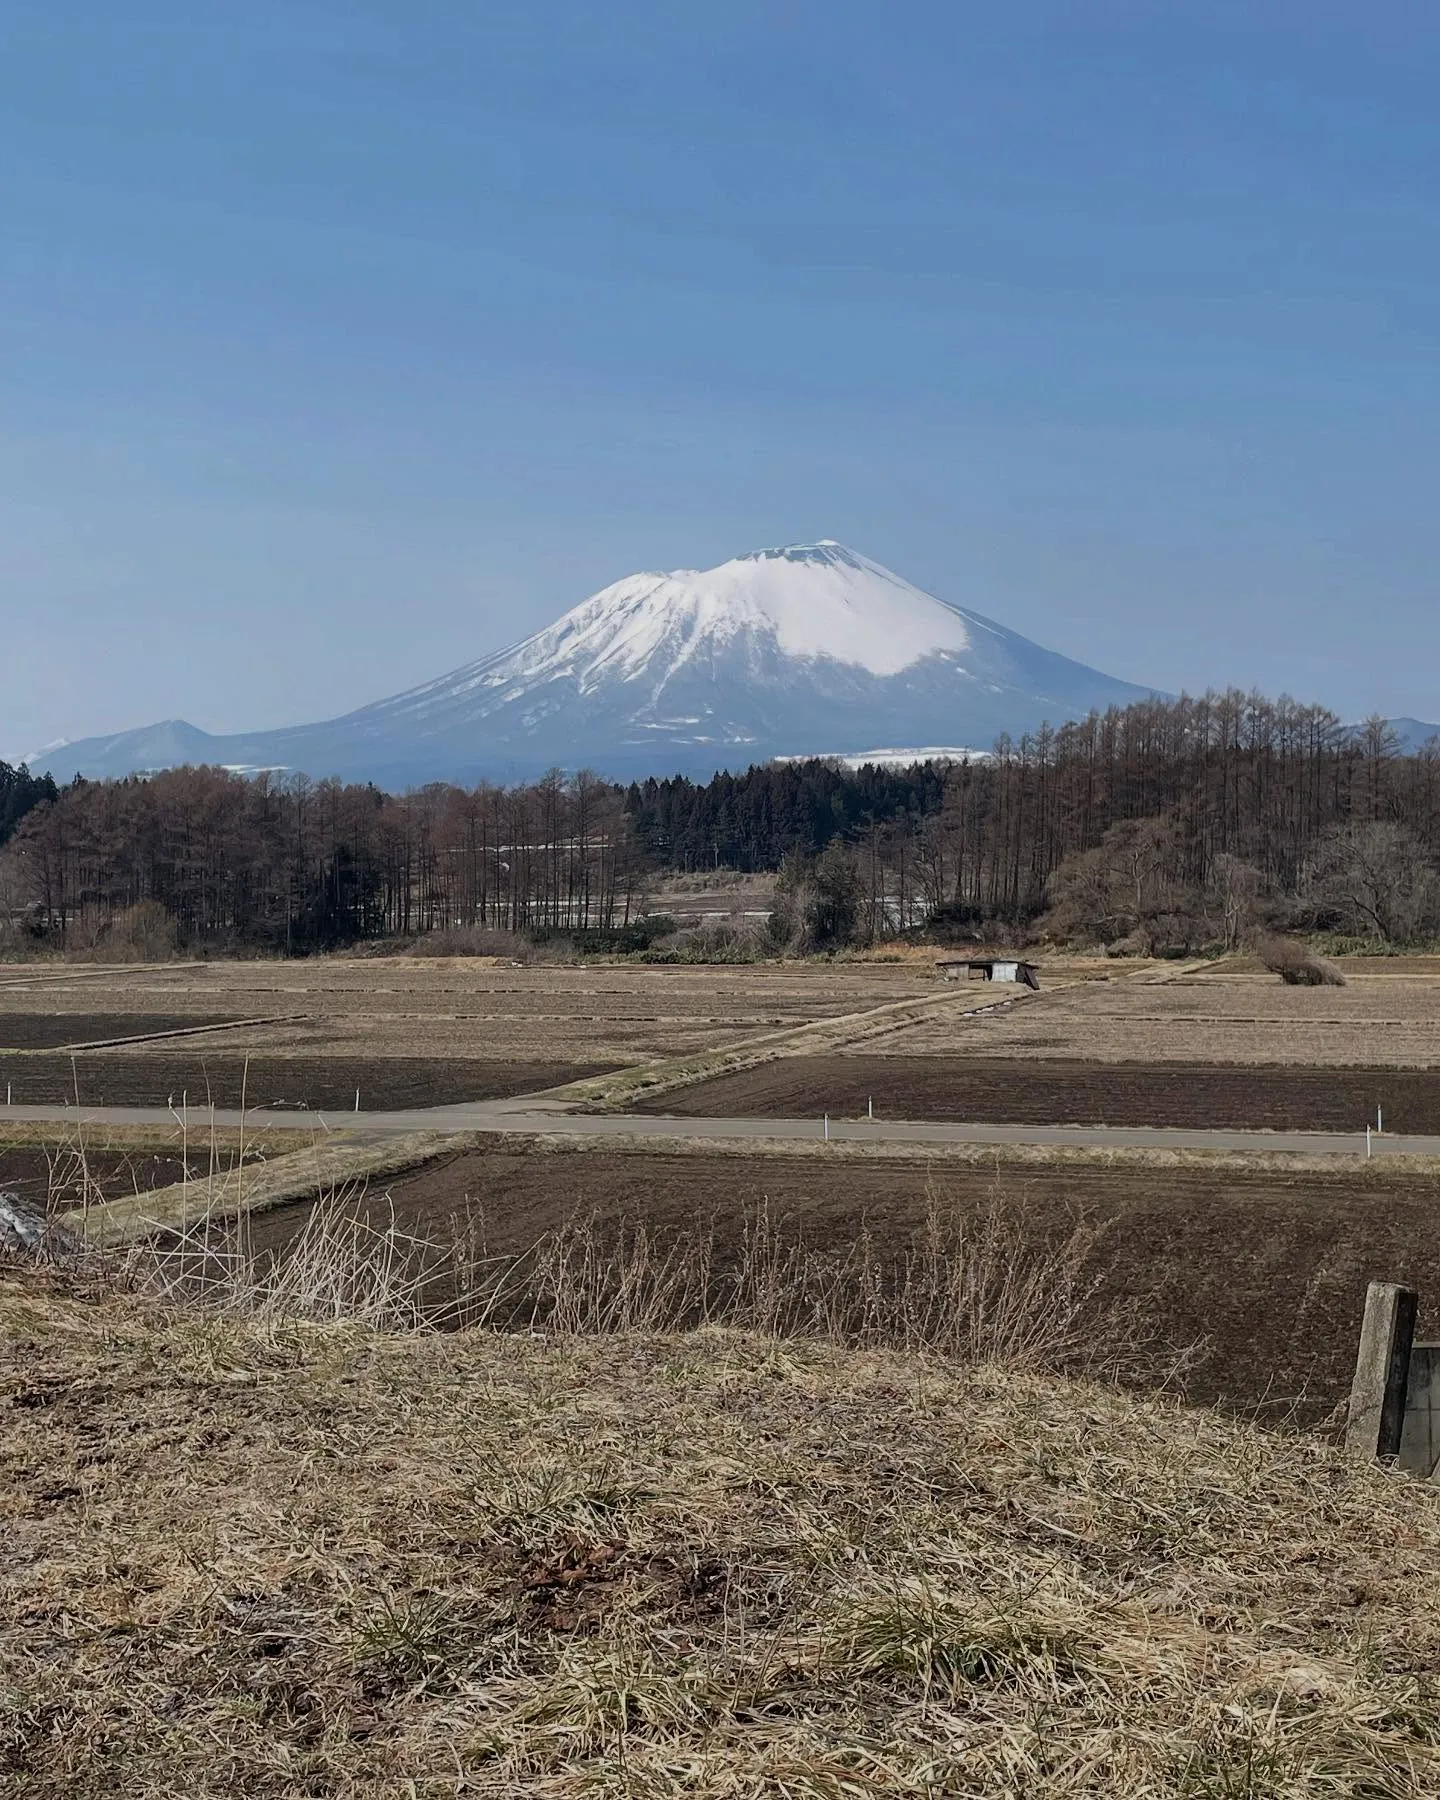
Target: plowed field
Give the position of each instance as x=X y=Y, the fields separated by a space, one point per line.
x=60 y=1178
x=159 y=1077
x=1264 y=1270
x=53 y=1030
x=1048 y=1091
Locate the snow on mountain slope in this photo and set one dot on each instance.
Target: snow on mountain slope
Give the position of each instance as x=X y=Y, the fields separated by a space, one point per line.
x=780 y=652
x=815 y=600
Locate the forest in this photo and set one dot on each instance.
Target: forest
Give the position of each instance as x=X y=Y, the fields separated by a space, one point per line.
x=1164 y=826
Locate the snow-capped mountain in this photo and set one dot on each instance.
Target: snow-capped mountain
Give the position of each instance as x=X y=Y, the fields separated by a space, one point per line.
x=807 y=649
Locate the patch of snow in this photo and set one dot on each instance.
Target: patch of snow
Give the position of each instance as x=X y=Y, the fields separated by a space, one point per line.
x=892 y=759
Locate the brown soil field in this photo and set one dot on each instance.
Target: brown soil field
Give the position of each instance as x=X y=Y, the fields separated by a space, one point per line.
x=1052 y=1092
x=52 y=1030
x=58 y=1177
x=1263 y=1269
x=1383 y=1017
x=158 y=1077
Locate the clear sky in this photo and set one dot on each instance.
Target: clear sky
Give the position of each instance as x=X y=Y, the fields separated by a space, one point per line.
x=342 y=341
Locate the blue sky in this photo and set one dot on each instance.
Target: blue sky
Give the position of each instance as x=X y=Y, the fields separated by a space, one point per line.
x=342 y=343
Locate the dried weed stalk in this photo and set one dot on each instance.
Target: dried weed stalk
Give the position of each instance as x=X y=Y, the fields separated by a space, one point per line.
x=973 y=1286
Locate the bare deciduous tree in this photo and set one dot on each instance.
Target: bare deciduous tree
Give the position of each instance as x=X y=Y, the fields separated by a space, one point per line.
x=1378 y=881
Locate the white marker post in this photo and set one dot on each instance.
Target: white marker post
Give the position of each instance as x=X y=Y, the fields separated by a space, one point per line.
x=827 y=1128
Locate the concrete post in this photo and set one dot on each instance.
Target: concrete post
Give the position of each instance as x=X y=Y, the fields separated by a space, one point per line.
x=1382 y=1372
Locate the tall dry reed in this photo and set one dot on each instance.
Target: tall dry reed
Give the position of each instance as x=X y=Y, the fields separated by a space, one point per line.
x=972 y=1285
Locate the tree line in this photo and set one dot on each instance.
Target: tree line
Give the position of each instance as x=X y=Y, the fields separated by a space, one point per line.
x=1166 y=824
x=1169 y=822
x=214 y=859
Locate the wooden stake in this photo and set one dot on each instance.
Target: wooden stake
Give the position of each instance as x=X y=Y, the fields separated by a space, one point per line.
x=1382 y=1372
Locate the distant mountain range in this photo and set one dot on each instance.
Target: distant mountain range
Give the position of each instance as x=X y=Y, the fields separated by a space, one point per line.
x=811 y=649
x=1413 y=733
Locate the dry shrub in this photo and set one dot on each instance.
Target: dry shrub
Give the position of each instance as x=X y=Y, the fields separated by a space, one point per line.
x=1296 y=964
x=736 y=938
x=143 y=933
x=976 y=1287
x=337 y=1269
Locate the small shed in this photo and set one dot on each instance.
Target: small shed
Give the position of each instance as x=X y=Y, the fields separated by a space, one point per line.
x=988 y=968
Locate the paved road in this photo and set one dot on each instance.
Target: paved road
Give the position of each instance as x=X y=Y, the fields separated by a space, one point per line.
x=525 y=1117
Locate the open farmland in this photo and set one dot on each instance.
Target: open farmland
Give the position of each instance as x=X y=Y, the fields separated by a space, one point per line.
x=1266 y=1260
x=1387 y=1015
x=1229 y=1046
x=404 y=1031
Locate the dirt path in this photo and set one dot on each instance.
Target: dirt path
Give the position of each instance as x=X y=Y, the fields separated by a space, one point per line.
x=525 y=1118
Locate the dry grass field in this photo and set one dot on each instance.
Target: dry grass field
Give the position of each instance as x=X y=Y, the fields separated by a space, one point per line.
x=254 y=1557
x=1385 y=1016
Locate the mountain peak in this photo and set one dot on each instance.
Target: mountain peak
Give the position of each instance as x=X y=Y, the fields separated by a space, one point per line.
x=824 y=551
x=800 y=649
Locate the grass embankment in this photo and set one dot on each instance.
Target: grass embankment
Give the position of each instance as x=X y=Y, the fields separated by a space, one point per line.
x=66 y=1135
x=265 y=1558
x=309 y=1170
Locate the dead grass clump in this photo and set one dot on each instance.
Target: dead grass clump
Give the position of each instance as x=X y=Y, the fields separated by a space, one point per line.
x=337 y=1269
x=739 y=938
x=468 y=940
x=1297 y=964
x=246 y=1556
